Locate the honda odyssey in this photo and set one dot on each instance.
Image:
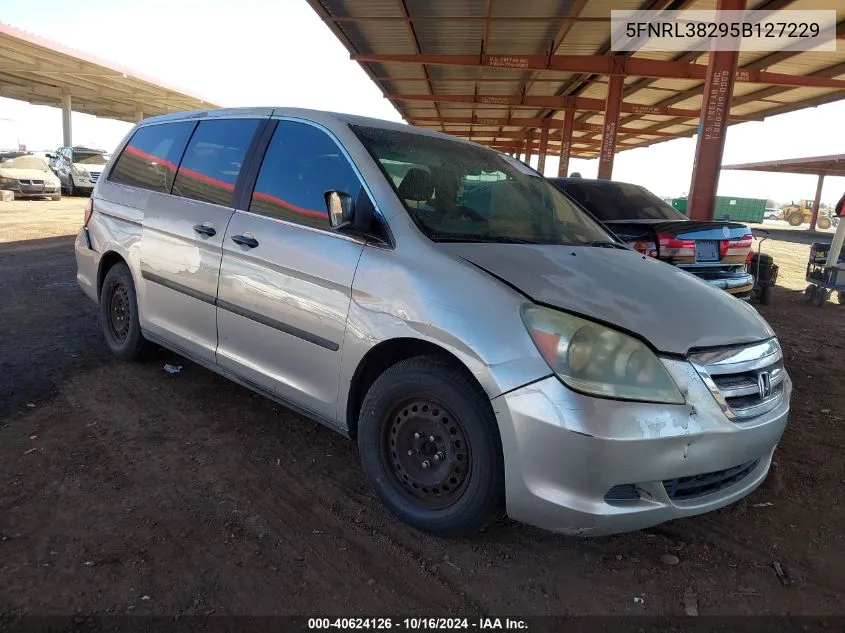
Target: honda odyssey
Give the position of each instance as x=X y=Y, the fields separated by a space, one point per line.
x=489 y=346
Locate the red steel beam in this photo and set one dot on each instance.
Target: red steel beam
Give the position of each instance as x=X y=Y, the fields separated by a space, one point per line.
x=527 y=123
x=544 y=147
x=604 y=65
x=566 y=142
x=558 y=103
x=611 y=125
x=553 y=19
x=718 y=90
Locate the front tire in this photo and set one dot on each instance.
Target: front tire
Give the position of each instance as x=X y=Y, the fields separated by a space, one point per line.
x=119 y=314
x=430 y=447
x=796 y=219
x=824 y=223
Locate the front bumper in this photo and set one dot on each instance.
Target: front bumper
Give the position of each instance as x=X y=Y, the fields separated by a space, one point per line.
x=564 y=452
x=32 y=191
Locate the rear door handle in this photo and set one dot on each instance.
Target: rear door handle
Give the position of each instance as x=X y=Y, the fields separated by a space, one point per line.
x=205 y=229
x=245 y=240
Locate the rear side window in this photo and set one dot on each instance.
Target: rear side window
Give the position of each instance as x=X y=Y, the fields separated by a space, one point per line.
x=213 y=160
x=152 y=155
x=301 y=164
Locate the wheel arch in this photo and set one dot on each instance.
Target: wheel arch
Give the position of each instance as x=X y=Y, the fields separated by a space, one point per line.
x=107 y=261
x=383 y=356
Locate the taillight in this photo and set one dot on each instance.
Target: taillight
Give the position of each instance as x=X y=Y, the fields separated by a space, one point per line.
x=737 y=248
x=647 y=248
x=671 y=246
x=89 y=209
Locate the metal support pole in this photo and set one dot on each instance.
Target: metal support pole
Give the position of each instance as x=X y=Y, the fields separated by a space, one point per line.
x=139 y=114
x=544 y=147
x=67 y=137
x=715 y=108
x=611 y=122
x=529 y=146
x=566 y=143
x=816 y=202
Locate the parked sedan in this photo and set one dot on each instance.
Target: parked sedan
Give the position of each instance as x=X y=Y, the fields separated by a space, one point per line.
x=29 y=177
x=715 y=250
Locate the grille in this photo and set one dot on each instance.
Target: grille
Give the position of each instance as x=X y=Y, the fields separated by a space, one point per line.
x=683 y=488
x=747 y=382
x=32 y=182
x=93 y=176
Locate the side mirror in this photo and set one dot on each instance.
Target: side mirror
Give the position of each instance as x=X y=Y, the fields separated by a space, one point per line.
x=340 y=207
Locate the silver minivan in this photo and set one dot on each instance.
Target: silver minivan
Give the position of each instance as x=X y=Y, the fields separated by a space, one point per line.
x=490 y=347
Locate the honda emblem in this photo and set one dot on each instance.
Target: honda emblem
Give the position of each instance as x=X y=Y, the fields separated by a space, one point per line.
x=764 y=384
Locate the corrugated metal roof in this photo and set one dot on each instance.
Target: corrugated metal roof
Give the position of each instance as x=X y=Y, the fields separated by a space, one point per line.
x=473 y=28
x=39 y=71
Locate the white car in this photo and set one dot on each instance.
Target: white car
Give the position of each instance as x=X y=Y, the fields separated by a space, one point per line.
x=772 y=214
x=29 y=177
x=79 y=168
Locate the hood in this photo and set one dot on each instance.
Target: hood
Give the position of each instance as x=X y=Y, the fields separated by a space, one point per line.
x=91 y=169
x=670 y=308
x=26 y=174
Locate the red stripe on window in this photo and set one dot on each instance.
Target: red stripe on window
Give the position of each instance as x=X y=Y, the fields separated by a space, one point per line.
x=269 y=198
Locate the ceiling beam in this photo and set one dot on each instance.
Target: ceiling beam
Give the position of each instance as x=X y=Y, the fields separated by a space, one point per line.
x=558 y=103
x=605 y=65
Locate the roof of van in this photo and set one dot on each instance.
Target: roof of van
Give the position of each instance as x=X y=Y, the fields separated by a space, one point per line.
x=318 y=116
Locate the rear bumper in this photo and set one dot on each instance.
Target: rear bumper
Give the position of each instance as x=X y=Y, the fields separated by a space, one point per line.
x=738 y=284
x=87 y=264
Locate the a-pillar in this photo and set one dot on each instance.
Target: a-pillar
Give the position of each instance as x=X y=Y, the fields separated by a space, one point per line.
x=566 y=143
x=67 y=136
x=544 y=147
x=715 y=107
x=816 y=202
x=612 y=108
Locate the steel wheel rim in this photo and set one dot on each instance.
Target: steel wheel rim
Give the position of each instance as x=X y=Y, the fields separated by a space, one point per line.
x=119 y=311
x=425 y=449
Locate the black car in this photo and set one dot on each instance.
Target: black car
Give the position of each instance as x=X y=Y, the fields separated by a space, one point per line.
x=714 y=250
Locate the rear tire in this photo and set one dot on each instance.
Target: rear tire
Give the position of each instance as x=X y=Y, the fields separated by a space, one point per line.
x=823 y=223
x=119 y=315
x=431 y=449
x=766 y=295
x=821 y=297
x=810 y=293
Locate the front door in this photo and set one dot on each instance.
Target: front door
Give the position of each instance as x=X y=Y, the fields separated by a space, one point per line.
x=183 y=234
x=286 y=278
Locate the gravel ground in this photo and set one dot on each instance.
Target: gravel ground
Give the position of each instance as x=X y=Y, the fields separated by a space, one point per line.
x=126 y=490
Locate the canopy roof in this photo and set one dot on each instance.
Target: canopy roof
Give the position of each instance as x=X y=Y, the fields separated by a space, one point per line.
x=39 y=71
x=833 y=165
x=492 y=70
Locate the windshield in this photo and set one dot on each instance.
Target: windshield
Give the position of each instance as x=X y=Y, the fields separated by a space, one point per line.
x=614 y=201
x=459 y=192
x=26 y=162
x=90 y=158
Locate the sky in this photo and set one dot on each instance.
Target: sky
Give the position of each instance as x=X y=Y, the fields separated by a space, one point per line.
x=279 y=53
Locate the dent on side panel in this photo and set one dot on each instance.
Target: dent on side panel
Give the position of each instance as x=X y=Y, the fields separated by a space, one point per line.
x=116 y=227
x=418 y=292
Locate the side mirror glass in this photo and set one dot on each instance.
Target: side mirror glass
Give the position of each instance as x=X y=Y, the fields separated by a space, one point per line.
x=340 y=207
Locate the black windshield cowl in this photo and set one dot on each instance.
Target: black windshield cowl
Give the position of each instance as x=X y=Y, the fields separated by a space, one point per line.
x=482 y=239
x=604 y=244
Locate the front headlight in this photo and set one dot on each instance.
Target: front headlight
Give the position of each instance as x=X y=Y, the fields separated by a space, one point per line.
x=598 y=360
x=9 y=182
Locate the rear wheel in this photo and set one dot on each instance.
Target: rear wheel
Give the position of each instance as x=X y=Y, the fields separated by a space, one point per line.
x=119 y=314
x=810 y=293
x=766 y=295
x=823 y=223
x=430 y=447
x=821 y=297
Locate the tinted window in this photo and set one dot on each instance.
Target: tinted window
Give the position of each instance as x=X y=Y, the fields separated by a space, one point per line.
x=621 y=201
x=150 y=158
x=300 y=165
x=213 y=160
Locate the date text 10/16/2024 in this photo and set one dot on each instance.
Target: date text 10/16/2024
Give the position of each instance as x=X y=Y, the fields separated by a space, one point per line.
x=419 y=624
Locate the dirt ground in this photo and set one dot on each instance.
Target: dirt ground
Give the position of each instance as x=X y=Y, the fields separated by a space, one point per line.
x=127 y=490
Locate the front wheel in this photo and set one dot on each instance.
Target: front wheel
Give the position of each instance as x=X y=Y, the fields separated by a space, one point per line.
x=796 y=219
x=119 y=314
x=823 y=223
x=430 y=447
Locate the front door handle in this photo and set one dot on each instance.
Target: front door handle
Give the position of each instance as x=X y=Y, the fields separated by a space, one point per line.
x=204 y=229
x=245 y=240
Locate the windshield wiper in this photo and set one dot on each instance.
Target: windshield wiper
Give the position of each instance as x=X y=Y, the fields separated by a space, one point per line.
x=605 y=244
